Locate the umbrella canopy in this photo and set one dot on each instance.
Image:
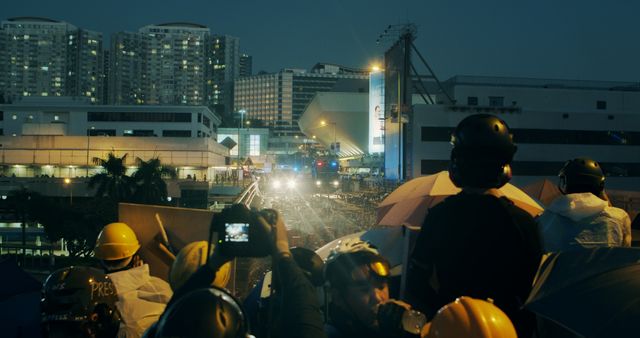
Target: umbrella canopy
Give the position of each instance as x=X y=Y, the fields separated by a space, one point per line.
x=591 y=292
x=544 y=191
x=19 y=301
x=409 y=203
x=15 y=281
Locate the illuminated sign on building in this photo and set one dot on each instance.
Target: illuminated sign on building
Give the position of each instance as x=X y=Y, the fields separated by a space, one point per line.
x=376 y=111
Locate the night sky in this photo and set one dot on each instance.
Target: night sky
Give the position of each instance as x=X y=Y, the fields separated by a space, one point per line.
x=569 y=39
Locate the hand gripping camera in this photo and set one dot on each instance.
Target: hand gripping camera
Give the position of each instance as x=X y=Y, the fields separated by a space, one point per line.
x=241 y=233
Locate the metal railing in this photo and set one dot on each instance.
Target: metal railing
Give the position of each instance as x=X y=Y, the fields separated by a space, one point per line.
x=246 y=197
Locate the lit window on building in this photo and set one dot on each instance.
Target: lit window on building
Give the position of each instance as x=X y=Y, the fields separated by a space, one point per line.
x=254 y=145
x=496 y=101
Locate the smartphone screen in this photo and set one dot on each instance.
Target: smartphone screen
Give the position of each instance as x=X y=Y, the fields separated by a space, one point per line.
x=236 y=232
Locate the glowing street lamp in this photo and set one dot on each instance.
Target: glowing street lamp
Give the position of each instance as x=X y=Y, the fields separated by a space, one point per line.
x=324 y=123
x=67 y=182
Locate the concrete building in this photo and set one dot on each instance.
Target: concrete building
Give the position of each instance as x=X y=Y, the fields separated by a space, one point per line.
x=160 y=64
x=106 y=64
x=338 y=118
x=551 y=120
x=127 y=65
x=44 y=57
x=246 y=65
x=253 y=143
x=61 y=137
x=278 y=100
x=224 y=68
x=174 y=64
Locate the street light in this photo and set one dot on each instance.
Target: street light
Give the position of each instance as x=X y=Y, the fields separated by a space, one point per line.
x=324 y=123
x=67 y=182
x=242 y=112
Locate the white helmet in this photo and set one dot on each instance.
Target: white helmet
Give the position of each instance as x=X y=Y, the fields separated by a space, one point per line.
x=349 y=254
x=350 y=245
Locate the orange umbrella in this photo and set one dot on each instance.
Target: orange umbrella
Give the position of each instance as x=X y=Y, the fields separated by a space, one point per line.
x=410 y=202
x=544 y=191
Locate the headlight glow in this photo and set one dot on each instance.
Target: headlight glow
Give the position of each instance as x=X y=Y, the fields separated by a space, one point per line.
x=318 y=183
x=276 y=184
x=335 y=183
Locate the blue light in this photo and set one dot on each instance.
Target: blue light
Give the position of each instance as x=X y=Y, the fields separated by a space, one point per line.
x=334 y=164
x=295 y=168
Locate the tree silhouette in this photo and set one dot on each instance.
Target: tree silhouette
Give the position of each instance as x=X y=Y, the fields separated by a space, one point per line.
x=150 y=188
x=22 y=201
x=78 y=224
x=113 y=183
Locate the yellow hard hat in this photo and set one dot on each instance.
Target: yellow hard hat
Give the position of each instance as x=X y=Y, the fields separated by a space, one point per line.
x=470 y=318
x=116 y=241
x=189 y=259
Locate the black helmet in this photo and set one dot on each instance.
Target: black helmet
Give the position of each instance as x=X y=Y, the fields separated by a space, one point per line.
x=79 y=301
x=581 y=175
x=482 y=151
x=210 y=312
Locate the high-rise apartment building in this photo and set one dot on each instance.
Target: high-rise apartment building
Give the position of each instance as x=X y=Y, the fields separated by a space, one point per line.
x=106 y=66
x=128 y=83
x=246 y=65
x=224 y=68
x=44 y=57
x=278 y=100
x=174 y=63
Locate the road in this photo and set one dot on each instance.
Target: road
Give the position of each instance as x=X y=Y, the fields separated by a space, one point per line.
x=314 y=218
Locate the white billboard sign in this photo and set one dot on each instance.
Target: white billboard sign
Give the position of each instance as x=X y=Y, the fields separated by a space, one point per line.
x=376 y=112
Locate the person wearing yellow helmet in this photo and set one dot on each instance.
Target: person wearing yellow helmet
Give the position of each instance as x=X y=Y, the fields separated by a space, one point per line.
x=191 y=257
x=141 y=297
x=116 y=247
x=470 y=318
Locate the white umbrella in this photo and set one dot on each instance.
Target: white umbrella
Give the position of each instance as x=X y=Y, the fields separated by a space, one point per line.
x=410 y=202
x=389 y=242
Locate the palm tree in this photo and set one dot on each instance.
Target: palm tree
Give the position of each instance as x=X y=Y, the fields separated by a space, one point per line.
x=150 y=186
x=113 y=183
x=22 y=202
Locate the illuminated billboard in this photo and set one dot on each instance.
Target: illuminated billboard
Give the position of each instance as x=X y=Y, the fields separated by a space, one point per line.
x=376 y=111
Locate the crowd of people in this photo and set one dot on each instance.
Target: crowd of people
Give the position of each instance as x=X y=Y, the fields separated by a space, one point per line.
x=470 y=273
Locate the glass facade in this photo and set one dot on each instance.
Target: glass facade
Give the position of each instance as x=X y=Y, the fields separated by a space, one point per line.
x=254 y=145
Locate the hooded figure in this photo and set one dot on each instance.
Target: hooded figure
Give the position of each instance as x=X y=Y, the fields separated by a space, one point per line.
x=582 y=217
